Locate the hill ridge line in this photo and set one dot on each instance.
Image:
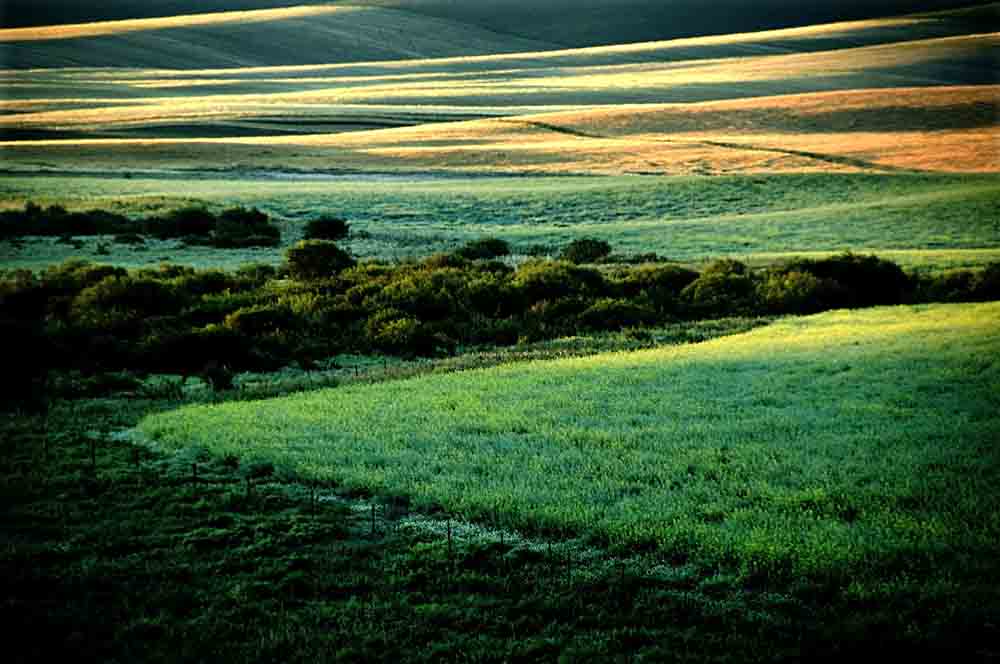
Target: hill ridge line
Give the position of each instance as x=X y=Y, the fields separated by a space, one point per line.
x=109 y=28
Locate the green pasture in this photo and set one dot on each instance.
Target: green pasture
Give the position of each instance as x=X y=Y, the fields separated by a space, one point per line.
x=923 y=221
x=852 y=448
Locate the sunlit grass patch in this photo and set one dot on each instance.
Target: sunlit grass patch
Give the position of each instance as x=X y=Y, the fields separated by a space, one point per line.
x=843 y=446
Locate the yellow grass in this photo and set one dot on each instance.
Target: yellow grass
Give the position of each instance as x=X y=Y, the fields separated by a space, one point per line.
x=107 y=28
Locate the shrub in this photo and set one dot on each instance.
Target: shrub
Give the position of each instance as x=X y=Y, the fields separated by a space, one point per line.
x=206 y=282
x=484 y=249
x=443 y=260
x=117 y=302
x=239 y=227
x=955 y=286
x=585 y=250
x=260 y=320
x=183 y=222
x=191 y=351
x=611 y=314
x=986 y=285
x=426 y=294
x=73 y=275
x=256 y=274
x=866 y=280
x=393 y=331
x=661 y=285
x=56 y=221
x=327 y=228
x=316 y=259
x=783 y=292
x=553 y=280
x=491 y=294
x=724 y=288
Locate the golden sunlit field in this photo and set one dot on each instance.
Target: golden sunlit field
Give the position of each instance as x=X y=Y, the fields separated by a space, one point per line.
x=500 y=331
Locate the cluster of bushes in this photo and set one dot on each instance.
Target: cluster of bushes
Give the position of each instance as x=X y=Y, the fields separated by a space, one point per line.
x=321 y=302
x=233 y=228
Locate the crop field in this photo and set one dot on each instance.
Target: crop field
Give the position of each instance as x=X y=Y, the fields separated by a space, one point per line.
x=936 y=221
x=850 y=447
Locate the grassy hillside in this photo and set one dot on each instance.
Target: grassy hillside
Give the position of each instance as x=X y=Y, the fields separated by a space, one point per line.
x=915 y=93
x=854 y=448
x=571 y=23
x=920 y=220
x=296 y=35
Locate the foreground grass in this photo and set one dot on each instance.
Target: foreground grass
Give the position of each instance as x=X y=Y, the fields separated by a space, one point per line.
x=852 y=449
x=123 y=556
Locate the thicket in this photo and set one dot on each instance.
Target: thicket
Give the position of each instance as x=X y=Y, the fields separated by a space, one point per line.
x=93 y=318
x=233 y=228
x=327 y=228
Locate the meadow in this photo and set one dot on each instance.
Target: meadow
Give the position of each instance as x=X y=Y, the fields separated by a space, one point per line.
x=851 y=451
x=922 y=221
x=351 y=374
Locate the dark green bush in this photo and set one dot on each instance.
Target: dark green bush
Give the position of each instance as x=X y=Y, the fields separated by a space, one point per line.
x=73 y=275
x=585 y=250
x=190 y=351
x=442 y=260
x=256 y=274
x=183 y=222
x=426 y=294
x=238 y=228
x=327 y=228
x=484 y=249
x=661 y=285
x=121 y=302
x=783 y=292
x=553 y=280
x=56 y=221
x=206 y=282
x=986 y=285
x=954 y=286
x=316 y=259
x=611 y=314
x=724 y=288
x=866 y=280
x=552 y=318
x=395 y=332
x=261 y=320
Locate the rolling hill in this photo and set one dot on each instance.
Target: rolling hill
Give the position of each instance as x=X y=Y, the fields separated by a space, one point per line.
x=916 y=92
x=293 y=35
x=566 y=22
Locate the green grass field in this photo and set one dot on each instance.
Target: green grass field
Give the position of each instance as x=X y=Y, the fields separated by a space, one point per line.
x=923 y=221
x=854 y=449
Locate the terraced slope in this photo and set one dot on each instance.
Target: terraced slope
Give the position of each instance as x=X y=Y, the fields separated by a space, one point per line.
x=848 y=445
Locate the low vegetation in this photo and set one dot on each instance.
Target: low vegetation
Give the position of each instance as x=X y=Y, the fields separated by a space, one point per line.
x=848 y=455
x=131 y=554
x=233 y=228
x=320 y=302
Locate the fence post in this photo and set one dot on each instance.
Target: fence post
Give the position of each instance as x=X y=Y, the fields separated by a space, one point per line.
x=449 y=539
